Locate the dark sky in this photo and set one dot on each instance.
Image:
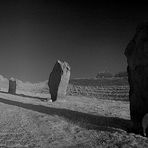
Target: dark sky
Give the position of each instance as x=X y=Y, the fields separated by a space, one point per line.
x=90 y=36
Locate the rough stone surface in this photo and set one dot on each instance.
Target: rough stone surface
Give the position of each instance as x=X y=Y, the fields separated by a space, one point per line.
x=137 y=59
x=12 y=86
x=59 y=79
x=145 y=124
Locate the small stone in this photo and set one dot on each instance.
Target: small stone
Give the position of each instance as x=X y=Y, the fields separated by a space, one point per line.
x=12 y=86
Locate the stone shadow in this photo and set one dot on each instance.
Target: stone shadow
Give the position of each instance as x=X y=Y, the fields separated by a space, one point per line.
x=85 y=120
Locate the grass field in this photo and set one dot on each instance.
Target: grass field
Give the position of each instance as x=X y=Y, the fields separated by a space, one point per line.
x=94 y=114
x=110 y=89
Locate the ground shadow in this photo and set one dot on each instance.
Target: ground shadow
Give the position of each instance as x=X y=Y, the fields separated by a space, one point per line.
x=83 y=119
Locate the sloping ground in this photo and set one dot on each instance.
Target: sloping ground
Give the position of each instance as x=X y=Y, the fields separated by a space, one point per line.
x=100 y=81
x=113 y=92
x=27 y=122
x=105 y=88
x=109 y=88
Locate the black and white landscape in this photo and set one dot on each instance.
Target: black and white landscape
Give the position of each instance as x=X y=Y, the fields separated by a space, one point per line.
x=73 y=74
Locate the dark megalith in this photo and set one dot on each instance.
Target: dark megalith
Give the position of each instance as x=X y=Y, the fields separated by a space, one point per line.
x=12 y=86
x=59 y=79
x=136 y=53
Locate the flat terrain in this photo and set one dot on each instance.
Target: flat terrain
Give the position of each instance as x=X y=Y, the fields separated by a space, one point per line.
x=76 y=121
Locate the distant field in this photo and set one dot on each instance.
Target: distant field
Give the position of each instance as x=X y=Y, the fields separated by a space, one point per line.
x=100 y=82
x=110 y=89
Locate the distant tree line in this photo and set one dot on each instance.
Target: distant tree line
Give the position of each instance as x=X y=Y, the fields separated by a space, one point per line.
x=122 y=74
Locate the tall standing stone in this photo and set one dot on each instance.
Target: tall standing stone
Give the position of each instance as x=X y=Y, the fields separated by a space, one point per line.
x=137 y=59
x=59 y=79
x=12 y=86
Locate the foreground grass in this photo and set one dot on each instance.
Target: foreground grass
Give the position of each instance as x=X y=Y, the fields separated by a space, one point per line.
x=70 y=122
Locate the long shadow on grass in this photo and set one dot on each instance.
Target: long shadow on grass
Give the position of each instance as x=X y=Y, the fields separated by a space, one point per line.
x=83 y=119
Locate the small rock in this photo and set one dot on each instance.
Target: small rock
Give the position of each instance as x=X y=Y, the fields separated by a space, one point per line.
x=12 y=86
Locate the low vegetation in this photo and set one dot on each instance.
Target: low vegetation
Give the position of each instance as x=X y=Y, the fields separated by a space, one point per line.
x=95 y=113
x=110 y=89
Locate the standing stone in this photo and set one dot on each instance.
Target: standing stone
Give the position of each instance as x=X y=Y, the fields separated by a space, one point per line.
x=137 y=59
x=59 y=79
x=12 y=86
